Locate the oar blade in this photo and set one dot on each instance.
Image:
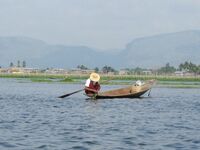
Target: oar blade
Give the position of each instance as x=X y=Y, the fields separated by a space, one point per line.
x=63 y=96
x=66 y=95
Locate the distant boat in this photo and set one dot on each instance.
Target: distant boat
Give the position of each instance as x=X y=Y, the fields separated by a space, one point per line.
x=134 y=91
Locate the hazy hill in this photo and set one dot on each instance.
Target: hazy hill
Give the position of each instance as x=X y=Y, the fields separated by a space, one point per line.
x=40 y=54
x=21 y=48
x=153 y=51
x=72 y=56
x=157 y=50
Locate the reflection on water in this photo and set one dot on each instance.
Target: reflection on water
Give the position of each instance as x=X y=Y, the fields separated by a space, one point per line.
x=33 y=118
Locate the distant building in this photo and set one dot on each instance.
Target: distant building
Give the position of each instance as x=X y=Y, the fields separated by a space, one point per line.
x=111 y=73
x=123 y=72
x=56 y=71
x=147 y=72
x=15 y=70
x=179 y=73
x=31 y=70
x=184 y=73
x=19 y=70
x=3 y=70
x=81 y=71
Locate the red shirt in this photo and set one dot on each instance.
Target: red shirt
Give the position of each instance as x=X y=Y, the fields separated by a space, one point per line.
x=93 y=86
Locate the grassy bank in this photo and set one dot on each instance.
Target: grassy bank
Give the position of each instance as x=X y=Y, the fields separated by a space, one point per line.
x=166 y=81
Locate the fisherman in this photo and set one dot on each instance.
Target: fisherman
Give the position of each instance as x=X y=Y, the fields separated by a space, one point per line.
x=92 y=85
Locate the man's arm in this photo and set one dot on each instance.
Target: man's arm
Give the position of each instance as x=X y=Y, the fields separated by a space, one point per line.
x=92 y=90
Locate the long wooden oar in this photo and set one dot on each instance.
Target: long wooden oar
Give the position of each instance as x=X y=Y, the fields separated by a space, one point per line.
x=66 y=95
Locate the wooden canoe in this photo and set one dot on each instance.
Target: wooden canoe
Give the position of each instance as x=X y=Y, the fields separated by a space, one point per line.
x=133 y=91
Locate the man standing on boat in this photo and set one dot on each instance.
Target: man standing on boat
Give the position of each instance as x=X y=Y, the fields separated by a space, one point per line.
x=92 y=85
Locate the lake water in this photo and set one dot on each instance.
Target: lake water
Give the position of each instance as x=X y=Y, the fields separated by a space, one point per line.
x=32 y=117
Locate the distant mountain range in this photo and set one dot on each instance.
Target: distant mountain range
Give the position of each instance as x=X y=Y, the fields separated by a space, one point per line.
x=173 y=48
x=147 y=52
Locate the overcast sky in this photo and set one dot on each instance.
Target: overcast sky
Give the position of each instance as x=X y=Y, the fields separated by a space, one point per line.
x=103 y=24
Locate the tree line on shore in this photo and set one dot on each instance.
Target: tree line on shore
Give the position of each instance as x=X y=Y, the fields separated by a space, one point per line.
x=186 y=66
x=19 y=64
x=167 y=69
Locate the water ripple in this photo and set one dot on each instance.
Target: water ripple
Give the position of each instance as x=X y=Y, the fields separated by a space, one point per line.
x=32 y=117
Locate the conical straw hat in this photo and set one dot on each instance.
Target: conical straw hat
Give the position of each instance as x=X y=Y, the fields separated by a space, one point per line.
x=94 y=77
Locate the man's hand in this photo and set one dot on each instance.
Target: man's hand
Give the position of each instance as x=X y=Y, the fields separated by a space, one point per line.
x=92 y=90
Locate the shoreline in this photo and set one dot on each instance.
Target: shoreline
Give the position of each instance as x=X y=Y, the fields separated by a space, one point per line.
x=162 y=81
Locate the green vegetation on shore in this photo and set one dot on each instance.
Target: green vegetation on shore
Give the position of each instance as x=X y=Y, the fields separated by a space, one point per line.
x=166 y=81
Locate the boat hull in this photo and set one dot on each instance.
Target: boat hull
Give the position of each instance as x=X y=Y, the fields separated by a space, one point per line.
x=133 y=91
x=136 y=95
